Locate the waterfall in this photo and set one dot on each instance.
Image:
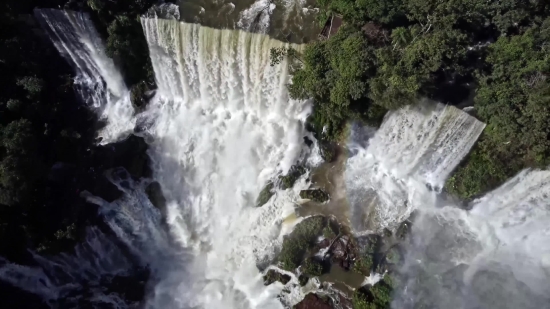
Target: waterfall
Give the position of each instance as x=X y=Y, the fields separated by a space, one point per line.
x=495 y=256
x=98 y=82
x=415 y=147
x=224 y=126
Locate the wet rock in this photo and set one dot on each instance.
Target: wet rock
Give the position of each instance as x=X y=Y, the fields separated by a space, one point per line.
x=272 y=275
x=99 y=185
x=316 y=195
x=265 y=195
x=130 y=287
x=139 y=96
x=312 y=301
x=154 y=193
x=290 y=178
x=327 y=151
x=130 y=153
x=303 y=279
x=403 y=230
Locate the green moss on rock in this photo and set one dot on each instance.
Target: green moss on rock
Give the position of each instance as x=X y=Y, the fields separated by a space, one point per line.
x=265 y=195
x=297 y=244
x=138 y=96
x=290 y=178
x=363 y=265
x=316 y=195
x=312 y=267
x=272 y=275
x=374 y=297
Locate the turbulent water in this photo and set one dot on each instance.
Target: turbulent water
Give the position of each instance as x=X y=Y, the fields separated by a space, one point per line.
x=220 y=127
x=224 y=126
x=496 y=255
x=415 y=147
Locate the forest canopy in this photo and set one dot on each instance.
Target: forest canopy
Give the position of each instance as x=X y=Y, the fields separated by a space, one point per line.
x=492 y=54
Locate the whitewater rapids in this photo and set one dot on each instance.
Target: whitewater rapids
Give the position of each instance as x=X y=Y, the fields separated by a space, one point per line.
x=497 y=255
x=224 y=126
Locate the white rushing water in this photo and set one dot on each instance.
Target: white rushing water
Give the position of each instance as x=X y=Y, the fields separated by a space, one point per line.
x=221 y=126
x=98 y=81
x=224 y=126
x=415 y=147
x=496 y=255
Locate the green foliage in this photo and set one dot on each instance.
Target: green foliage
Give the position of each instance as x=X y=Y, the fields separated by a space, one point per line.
x=312 y=267
x=513 y=99
x=96 y=5
x=360 y=11
x=296 y=245
x=32 y=84
x=119 y=22
x=376 y=297
x=126 y=42
x=334 y=74
x=363 y=265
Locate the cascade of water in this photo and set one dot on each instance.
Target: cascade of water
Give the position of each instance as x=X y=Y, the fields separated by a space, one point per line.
x=97 y=80
x=495 y=256
x=415 y=147
x=224 y=126
x=63 y=280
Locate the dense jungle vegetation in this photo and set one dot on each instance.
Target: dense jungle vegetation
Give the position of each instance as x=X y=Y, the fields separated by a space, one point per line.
x=390 y=53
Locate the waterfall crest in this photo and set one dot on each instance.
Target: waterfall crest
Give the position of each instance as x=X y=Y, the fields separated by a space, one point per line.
x=415 y=147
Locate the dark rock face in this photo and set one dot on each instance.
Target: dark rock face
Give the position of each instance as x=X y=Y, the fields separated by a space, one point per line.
x=316 y=195
x=131 y=154
x=312 y=301
x=273 y=275
x=130 y=287
x=13 y=297
x=138 y=96
x=154 y=192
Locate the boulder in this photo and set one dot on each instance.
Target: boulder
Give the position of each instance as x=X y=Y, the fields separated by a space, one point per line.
x=316 y=195
x=139 y=96
x=327 y=151
x=266 y=193
x=312 y=301
x=272 y=275
x=154 y=192
x=290 y=178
